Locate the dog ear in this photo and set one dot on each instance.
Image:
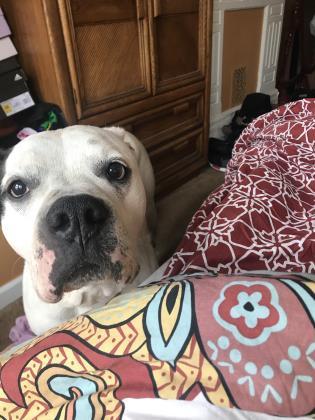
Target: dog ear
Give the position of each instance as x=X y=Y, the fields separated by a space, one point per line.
x=146 y=171
x=3 y=157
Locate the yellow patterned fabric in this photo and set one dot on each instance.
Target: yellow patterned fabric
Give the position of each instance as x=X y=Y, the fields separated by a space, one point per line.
x=218 y=336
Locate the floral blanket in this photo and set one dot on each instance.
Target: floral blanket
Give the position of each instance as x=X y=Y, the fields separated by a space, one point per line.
x=239 y=341
x=263 y=217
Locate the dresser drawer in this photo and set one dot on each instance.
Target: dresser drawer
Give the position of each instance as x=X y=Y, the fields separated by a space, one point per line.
x=154 y=126
x=177 y=160
x=171 y=153
x=174 y=153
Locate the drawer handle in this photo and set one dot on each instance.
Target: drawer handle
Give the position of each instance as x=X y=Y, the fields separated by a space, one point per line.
x=180 y=146
x=179 y=109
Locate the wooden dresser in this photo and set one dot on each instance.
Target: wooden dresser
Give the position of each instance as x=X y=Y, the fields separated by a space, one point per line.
x=140 y=64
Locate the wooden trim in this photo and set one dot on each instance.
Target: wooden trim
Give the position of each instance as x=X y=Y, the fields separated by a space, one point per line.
x=141 y=9
x=73 y=59
x=59 y=57
x=152 y=38
x=156 y=8
x=144 y=48
x=179 y=81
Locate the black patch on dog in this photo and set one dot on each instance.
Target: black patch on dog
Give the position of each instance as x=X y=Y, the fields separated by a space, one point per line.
x=73 y=267
x=3 y=157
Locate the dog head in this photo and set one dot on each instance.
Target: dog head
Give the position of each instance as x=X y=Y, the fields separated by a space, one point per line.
x=74 y=203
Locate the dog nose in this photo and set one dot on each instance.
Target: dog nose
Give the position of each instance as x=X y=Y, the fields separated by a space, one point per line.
x=77 y=218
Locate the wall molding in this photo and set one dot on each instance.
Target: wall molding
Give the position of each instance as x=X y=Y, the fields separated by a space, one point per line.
x=268 y=59
x=10 y=292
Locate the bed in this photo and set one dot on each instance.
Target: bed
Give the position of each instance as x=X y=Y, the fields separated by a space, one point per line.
x=263 y=217
x=224 y=330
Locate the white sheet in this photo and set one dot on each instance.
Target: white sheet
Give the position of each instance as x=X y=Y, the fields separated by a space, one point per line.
x=199 y=409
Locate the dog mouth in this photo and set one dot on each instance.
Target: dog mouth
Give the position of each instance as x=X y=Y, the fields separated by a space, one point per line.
x=79 y=275
x=64 y=272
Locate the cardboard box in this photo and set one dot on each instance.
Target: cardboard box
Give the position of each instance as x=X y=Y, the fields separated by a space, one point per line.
x=7 y=49
x=4 y=27
x=14 y=93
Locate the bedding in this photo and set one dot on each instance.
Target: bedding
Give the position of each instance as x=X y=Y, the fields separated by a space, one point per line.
x=263 y=216
x=230 y=341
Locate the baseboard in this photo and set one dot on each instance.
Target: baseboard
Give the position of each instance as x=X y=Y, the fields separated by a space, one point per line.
x=10 y=292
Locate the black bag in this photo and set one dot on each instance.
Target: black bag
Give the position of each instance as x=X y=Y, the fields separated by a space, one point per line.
x=41 y=117
x=254 y=105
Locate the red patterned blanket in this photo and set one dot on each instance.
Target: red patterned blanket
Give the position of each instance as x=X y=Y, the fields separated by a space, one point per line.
x=263 y=217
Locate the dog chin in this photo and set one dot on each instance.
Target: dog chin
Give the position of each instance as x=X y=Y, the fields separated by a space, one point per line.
x=87 y=274
x=54 y=295
x=49 y=295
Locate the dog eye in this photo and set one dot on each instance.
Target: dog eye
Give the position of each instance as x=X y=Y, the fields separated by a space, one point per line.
x=116 y=171
x=17 y=189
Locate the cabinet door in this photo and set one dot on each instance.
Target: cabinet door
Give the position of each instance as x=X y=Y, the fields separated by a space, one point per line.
x=107 y=50
x=177 y=29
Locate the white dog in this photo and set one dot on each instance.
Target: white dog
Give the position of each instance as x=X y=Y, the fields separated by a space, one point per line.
x=77 y=205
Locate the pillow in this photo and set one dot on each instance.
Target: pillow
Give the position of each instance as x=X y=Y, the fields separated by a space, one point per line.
x=242 y=341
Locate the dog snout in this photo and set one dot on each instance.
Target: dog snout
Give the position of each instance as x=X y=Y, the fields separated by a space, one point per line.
x=77 y=218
